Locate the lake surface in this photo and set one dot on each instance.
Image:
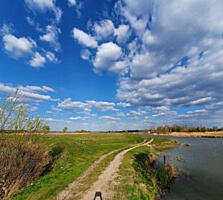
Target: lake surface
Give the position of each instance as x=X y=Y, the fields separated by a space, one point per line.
x=202 y=164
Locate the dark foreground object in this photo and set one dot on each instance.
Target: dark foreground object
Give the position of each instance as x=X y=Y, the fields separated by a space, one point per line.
x=98 y=194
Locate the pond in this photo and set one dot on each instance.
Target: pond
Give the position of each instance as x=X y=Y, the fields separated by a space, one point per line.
x=202 y=165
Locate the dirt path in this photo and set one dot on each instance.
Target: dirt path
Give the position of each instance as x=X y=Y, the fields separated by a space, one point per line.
x=106 y=181
x=75 y=187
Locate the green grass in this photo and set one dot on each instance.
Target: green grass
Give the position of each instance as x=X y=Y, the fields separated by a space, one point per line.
x=139 y=182
x=74 y=154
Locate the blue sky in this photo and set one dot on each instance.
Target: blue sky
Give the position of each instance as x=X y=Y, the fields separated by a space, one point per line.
x=114 y=65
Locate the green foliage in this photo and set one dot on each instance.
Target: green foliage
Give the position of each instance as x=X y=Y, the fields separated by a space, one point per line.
x=65 y=129
x=45 y=129
x=138 y=179
x=15 y=117
x=169 y=129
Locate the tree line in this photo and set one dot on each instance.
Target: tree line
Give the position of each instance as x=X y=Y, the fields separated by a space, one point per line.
x=169 y=129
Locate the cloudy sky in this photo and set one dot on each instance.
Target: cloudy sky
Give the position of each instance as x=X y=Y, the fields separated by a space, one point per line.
x=114 y=64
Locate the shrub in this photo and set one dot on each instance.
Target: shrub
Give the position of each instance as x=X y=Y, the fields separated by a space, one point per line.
x=22 y=161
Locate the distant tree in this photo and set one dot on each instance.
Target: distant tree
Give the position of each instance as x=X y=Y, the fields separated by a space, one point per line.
x=65 y=129
x=203 y=129
x=215 y=128
x=46 y=128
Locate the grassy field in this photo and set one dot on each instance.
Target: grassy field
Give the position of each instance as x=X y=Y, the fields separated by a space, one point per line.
x=75 y=154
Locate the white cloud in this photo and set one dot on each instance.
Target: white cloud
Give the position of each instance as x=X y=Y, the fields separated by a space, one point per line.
x=124 y=105
x=31 y=88
x=25 y=95
x=72 y=3
x=201 y=101
x=51 y=36
x=84 y=39
x=120 y=67
x=103 y=106
x=106 y=56
x=123 y=32
x=134 y=113
x=176 y=58
x=55 y=120
x=51 y=57
x=197 y=111
x=121 y=114
x=18 y=47
x=30 y=21
x=37 y=60
x=44 y=6
x=68 y=104
x=110 y=118
x=85 y=54
x=104 y=29
x=6 y=29
x=56 y=109
x=79 y=118
x=41 y=5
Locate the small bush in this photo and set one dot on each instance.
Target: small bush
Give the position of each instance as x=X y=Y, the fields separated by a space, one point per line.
x=21 y=162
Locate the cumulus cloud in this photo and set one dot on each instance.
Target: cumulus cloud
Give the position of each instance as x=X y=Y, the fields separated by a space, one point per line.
x=44 y=6
x=103 y=106
x=51 y=36
x=106 y=56
x=37 y=60
x=84 y=39
x=68 y=104
x=18 y=47
x=25 y=47
x=123 y=32
x=175 y=59
x=86 y=106
x=104 y=29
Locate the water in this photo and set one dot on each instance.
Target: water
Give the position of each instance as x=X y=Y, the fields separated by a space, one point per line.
x=203 y=165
